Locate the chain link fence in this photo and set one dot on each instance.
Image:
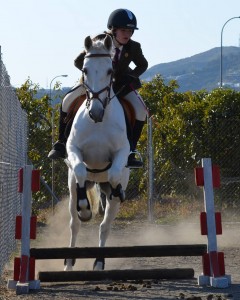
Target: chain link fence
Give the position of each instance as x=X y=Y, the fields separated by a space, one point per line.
x=173 y=178
x=13 y=155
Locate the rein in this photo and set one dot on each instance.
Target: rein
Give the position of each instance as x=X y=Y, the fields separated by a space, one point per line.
x=97 y=55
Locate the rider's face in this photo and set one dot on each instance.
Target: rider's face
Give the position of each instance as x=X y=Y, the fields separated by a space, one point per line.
x=123 y=35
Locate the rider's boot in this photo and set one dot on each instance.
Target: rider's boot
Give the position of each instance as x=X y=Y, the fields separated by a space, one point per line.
x=59 y=148
x=133 y=162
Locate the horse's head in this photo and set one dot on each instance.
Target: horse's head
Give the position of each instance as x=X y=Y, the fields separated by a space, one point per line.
x=97 y=75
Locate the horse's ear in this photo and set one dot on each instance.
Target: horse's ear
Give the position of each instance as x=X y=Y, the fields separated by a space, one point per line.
x=88 y=43
x=108 y=42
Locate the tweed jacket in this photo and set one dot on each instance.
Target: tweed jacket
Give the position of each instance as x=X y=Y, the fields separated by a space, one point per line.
x=131 y=52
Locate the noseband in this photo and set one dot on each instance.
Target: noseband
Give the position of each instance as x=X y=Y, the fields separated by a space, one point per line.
x=95 y=95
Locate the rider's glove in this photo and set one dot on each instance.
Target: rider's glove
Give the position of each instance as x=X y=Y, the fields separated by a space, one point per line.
x=126 y=80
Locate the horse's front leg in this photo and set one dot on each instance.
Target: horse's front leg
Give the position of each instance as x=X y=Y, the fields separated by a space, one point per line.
x=83 y=204
x=79 y=169
x=116 y=173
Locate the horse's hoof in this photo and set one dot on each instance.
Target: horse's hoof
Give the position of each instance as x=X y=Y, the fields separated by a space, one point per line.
x=99 y=264
x=69 y=263
x=86 y=217
x=68 y=268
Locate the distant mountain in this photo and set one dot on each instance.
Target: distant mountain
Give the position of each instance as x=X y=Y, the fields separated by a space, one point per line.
x=201 y=71
x=55 y=95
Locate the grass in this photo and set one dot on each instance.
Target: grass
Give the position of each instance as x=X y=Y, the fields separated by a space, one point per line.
x=132 y=209
x=170 y=210
x=167 y=210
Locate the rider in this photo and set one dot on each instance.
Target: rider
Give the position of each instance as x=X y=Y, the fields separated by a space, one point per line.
x=121 y=25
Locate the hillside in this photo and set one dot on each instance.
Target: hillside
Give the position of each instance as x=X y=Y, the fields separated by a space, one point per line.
x=201 y=71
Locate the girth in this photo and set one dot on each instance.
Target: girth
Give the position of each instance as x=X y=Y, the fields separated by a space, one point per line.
x=99 y=170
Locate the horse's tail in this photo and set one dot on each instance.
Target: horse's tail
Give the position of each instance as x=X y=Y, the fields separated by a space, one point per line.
x=94 y=195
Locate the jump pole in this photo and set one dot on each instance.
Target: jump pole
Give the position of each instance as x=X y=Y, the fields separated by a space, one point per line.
x=118 y=252
x=24 y=266
x=208 y=177
x=71 y=276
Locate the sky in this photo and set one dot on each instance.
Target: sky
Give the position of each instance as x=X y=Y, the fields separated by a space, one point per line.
x=40 y=39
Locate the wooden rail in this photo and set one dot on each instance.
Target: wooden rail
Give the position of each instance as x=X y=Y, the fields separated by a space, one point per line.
x=71 y=276
x=116 y=252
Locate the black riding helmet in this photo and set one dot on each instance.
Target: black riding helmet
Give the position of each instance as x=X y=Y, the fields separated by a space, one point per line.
x=122 y=18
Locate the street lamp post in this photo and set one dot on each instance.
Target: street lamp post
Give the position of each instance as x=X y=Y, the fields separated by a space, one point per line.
x=50 y=96
x=221 y=68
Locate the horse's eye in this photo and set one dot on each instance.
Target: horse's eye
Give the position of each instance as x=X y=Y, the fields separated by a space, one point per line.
x=109 y=72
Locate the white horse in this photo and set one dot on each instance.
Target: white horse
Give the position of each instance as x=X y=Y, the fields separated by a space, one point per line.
x=97 y=146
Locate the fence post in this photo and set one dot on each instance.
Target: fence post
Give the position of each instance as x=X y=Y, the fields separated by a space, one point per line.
x=150 y=171
x=24 y=267
x=213 y=261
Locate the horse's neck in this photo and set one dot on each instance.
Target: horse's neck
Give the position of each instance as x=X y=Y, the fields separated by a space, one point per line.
x=113 y=110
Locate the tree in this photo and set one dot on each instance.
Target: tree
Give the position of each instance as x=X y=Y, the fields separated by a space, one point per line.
x=40 y=113
x=189 y=126
x=186 y=127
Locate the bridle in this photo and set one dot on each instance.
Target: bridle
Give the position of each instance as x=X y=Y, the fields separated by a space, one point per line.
x=95 y=95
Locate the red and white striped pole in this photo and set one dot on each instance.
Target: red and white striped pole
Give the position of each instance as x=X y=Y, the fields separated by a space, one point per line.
x=24 y=266
x=208 y=176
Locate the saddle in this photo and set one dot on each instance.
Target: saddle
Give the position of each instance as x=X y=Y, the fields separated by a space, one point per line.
x=129 y=112
x=71 y=113
x=74 y=108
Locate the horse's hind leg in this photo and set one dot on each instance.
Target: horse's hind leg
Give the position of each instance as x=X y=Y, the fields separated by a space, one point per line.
x=111 y=210
x=74 y=221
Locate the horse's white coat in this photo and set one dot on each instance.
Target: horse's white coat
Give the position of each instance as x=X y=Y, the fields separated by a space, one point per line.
x=95 y=145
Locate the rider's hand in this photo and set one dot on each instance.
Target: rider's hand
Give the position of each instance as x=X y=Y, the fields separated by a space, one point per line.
x=126 y=80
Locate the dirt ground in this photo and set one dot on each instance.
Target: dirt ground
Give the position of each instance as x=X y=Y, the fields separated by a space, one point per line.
x=56 y=234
